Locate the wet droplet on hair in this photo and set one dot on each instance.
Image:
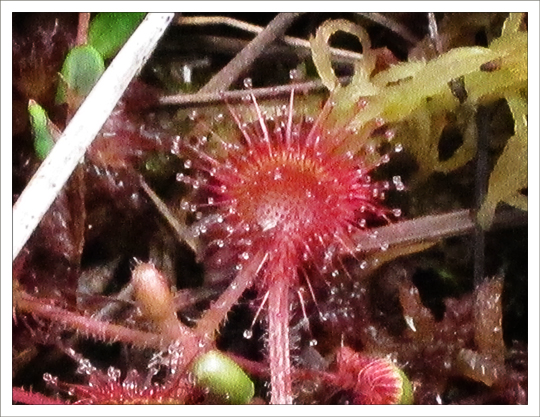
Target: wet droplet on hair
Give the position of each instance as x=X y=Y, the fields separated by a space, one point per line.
x=85 y=367
x=389 y=134
x=398 y=183
x=248 y=83
x=248 y=334
x=49 y=379
x=113 y=373
x=294 y=75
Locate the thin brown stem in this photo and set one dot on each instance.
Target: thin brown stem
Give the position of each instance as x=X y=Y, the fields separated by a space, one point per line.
x=278 y=342
x=237 y=95
x=349 y=56
x=180 y=230
x=438 y=226
x=394 y=26
x=230 y=73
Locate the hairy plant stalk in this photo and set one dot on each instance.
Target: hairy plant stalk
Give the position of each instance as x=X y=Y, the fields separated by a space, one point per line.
x=99 y=330
x=278 y=343
x=213 y=317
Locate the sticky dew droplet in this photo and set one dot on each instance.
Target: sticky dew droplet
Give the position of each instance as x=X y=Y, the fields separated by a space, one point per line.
x=248 y=334
x=113 y=374
x=85 y=367
x=49 y=379
x=398 y=183
x=294 y=75
x=248 y=83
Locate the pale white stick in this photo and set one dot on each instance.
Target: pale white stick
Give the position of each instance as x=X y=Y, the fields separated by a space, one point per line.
x=53 y=173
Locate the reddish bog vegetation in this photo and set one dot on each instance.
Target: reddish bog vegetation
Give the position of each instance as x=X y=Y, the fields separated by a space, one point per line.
x=233 y=225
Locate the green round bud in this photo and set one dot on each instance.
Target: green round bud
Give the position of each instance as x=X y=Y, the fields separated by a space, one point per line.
x=223 y=377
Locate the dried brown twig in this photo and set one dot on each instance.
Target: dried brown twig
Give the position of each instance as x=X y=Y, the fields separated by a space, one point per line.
x=435 y=227
x=336 y=53
x=230 y=73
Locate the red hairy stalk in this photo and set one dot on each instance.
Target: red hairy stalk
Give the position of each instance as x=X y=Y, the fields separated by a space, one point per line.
x=286 y=193
x=97 y=329
x=213 y=317
x=278 y=328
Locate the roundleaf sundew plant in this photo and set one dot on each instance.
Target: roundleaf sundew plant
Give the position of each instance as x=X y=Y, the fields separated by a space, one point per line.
x=328 y=210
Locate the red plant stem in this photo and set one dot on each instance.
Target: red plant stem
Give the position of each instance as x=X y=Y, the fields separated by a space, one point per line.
x=278 y=342
x=213 y=317
x=101 y=330
x=82 y=29
x=34 y=398
x=87 y=325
